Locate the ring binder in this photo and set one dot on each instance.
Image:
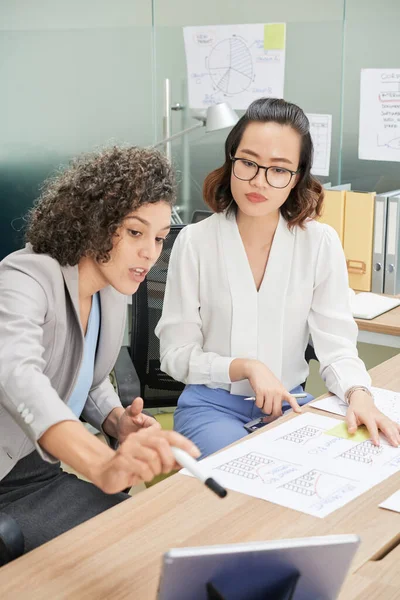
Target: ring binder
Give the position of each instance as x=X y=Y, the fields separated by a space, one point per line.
x=392 y=264
x=358 y=238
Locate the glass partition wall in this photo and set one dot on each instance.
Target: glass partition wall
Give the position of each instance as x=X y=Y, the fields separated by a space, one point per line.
x=77 y=76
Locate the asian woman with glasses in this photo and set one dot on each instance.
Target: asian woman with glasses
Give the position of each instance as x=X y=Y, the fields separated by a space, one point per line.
x=247 y=286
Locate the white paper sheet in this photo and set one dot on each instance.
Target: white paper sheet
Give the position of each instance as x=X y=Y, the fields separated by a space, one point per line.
x=388 y=402
x=231 y=63
x=301 y=466
x=379 y=136
x=392 y=503
x=321 y=134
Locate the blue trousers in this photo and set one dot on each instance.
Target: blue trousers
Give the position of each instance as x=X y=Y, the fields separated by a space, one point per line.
x=214 y=418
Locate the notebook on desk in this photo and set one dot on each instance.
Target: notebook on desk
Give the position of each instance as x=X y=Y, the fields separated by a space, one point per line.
x=296 y=569
x=366 y=305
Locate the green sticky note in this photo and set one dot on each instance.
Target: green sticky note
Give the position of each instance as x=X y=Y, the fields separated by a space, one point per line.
x=340 y=430
x=274 y=36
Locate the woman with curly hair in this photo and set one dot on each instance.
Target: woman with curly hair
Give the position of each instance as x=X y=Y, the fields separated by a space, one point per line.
x=248 y=285
x=94 y=233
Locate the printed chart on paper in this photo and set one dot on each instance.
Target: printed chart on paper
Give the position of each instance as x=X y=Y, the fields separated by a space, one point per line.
x=308 y=463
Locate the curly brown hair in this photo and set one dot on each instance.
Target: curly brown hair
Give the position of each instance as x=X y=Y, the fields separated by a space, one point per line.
x=306 y=198
x=80 y=209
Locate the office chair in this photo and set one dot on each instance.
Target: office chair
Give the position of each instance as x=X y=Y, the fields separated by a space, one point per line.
x=146 y=378
x=199 y=215
x=11 y=539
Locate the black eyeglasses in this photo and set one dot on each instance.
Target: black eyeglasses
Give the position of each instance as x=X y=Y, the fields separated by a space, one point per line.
x=276 y=177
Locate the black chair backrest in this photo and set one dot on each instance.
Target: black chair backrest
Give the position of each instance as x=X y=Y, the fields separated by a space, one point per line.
x=157 y=388
x=199 y=215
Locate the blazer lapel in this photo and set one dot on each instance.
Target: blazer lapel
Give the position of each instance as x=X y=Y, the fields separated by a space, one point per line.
x=71 y=280
x=113 y=307
x=113 y=315
x=75 y=336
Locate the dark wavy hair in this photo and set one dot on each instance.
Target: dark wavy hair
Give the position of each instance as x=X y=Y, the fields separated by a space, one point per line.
x=80 y=209
x=306 y=198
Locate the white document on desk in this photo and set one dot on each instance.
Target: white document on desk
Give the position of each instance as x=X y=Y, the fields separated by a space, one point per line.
x=305 y=464
x=388 y=402
x=392 y=503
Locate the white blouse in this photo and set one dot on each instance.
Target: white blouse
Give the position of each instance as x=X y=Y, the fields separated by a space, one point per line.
x=213 y=313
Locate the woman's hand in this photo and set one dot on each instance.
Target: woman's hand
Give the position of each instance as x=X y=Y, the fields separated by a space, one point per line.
x=141 y=457
x=268 y=390
x=132 y=420
x=362 y=411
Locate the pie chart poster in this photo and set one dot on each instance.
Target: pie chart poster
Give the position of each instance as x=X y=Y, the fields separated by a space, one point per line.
x=234 y=63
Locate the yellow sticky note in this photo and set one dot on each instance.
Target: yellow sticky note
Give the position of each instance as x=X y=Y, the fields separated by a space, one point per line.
x=274 y=36
x=340 y=430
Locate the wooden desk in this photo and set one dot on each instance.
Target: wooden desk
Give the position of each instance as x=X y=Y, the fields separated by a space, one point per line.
x=118 y=554
x=384 y=330
x=376 y=580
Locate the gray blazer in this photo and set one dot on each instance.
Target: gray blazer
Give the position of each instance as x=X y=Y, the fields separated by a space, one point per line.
x=41 y=349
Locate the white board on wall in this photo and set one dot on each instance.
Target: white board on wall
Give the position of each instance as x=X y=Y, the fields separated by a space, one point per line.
x=379 y=135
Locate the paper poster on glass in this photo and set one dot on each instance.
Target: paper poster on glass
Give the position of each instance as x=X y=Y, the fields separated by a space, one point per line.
x=321 y=135
x=379 y=137
x=234 y=63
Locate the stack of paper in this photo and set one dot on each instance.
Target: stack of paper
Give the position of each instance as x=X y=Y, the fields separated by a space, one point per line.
x=392 y=503
x=368 y=306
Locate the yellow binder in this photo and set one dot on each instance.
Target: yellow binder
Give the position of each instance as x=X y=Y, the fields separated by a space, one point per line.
x=358 y=238
x=333 y=210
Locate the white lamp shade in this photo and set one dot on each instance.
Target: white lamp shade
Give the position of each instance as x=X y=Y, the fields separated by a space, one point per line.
x=220 y=116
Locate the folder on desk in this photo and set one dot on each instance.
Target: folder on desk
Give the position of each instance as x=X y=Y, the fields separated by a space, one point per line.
x=358 y=238
x=392 y=261
x=368 y=306
x=333 y=210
